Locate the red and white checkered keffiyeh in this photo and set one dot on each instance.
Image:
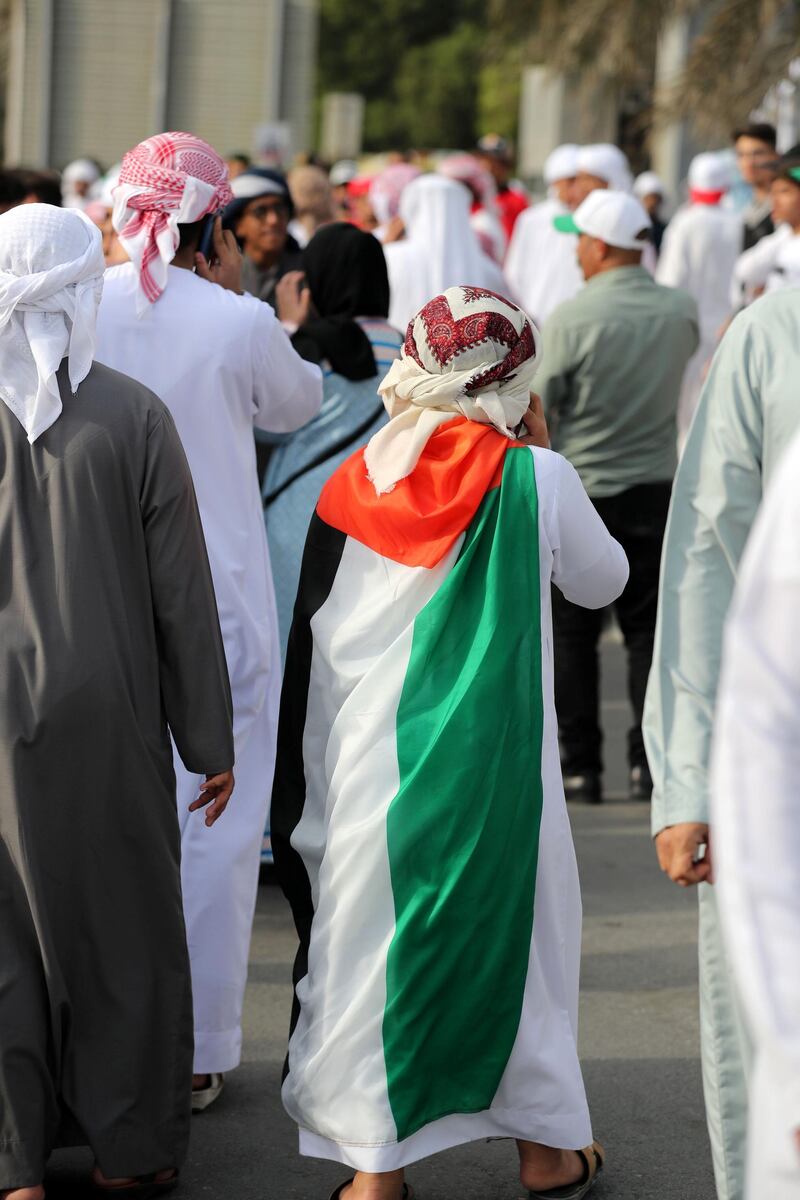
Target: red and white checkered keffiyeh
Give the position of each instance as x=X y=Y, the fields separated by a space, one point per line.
x=168 y=180
x=469 y=353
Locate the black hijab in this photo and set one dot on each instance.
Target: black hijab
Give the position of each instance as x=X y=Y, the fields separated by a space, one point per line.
x=346 y=272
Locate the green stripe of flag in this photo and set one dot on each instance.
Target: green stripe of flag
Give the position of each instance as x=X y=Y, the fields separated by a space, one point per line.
x=463 y=829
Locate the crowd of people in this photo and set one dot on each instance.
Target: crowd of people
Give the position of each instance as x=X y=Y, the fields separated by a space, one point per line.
x=331 y=482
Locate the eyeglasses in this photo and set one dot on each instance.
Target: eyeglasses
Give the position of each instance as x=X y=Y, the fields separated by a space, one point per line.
x=261 y=211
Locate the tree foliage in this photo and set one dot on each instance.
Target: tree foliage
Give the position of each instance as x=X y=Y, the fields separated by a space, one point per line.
x=438 y=72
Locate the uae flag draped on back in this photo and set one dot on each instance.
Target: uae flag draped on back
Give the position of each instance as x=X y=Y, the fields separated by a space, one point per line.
x=409 y=790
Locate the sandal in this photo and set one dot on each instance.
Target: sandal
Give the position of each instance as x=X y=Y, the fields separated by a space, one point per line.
x=408 y=1191
x=593 y=1159
x=143 y=1188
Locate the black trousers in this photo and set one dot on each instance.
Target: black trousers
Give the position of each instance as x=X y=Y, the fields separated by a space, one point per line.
x=636 y=518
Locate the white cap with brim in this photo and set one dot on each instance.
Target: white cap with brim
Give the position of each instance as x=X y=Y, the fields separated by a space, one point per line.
x=342 y=172
x=606 y=162
x=562 y=163
x=616 y=218
x=648 y=184
x=709 y=173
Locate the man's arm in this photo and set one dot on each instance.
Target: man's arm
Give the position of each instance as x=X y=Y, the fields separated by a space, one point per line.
x=756 y=803
x=194 y=675
x=553 y=381
x=715 y=498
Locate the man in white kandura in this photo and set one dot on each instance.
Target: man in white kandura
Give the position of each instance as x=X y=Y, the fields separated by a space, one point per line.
x=222 y=364
x=699 y=253
x=541 y=266
x=755 y=810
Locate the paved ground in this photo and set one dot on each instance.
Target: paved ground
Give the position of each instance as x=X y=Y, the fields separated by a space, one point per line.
x=639 y=1039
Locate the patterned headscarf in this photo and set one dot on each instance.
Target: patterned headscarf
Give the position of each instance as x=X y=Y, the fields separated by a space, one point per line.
x=51 y=280
x=468 y=352
x=168 y=180
x=387 y=188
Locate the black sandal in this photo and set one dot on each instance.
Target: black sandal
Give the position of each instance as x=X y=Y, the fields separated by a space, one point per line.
x=593 y=1158
x=408 y=1191
x=144 y=1188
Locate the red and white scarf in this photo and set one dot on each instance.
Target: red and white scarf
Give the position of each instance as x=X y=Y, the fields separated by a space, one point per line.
x=168 y=180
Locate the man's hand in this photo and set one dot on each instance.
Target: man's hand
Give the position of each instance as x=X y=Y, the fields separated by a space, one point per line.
x=677 y=847
x=536 y=425
x=293 y=298
x=227 y=269
x=215 y=792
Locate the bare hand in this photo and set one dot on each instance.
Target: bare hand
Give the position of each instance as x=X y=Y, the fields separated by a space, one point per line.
x=536 y=425
x=227 y=269
x=677 y=847
x=394 y=231
x=293 y=298
x=215 y=792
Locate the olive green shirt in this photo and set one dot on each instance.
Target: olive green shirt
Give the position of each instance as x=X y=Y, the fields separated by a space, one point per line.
x=613 y=363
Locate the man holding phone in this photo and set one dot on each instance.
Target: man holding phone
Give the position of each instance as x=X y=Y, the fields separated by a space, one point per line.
x=175 y=319
x=258 y=215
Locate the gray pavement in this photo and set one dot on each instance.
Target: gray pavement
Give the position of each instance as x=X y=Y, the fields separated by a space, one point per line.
x=639 y=1038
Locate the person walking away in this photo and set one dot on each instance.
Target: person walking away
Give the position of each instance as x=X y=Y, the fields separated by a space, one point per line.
x=259 y=213
x=649 y=188
x=439 y=249
x=440 y=775
x=484 y=217
x=747 y=416
x=613 y=365
x=754 y=814
x=541 y=266
x=109 y=639
x=313 y=203
x=341 y=315
x=699 y=254
x=223 y=365
x=763 y=268
x=756 y=158
x=495 y=154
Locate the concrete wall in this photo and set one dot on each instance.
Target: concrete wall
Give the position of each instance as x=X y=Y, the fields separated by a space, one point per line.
x=93 y=77
x=553 y=110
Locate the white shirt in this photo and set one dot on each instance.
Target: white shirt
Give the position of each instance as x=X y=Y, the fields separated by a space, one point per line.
x=541 y=265
x=759 y=267
x=699 y=253
x=222 y=364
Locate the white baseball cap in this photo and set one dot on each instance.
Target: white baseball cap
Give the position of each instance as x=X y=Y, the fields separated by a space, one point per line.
x=616 y=218
x=606 y=162
x=710 y=173
x=648 y=184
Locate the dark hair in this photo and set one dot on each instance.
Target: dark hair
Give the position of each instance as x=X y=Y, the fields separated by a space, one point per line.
x=787 y=164
x=44 y=185
x=760 y=132
x=240 y=157
x=12 y=191
x=190 y=234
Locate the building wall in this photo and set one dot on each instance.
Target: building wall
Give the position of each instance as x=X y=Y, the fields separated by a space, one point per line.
x=102 y=78
x=93 y=77
x=223 y=60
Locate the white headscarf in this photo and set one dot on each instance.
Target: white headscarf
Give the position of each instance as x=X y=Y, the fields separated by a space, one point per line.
x=82 y=170
x=468 y=352
x=51 y=281
x=440 y=249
